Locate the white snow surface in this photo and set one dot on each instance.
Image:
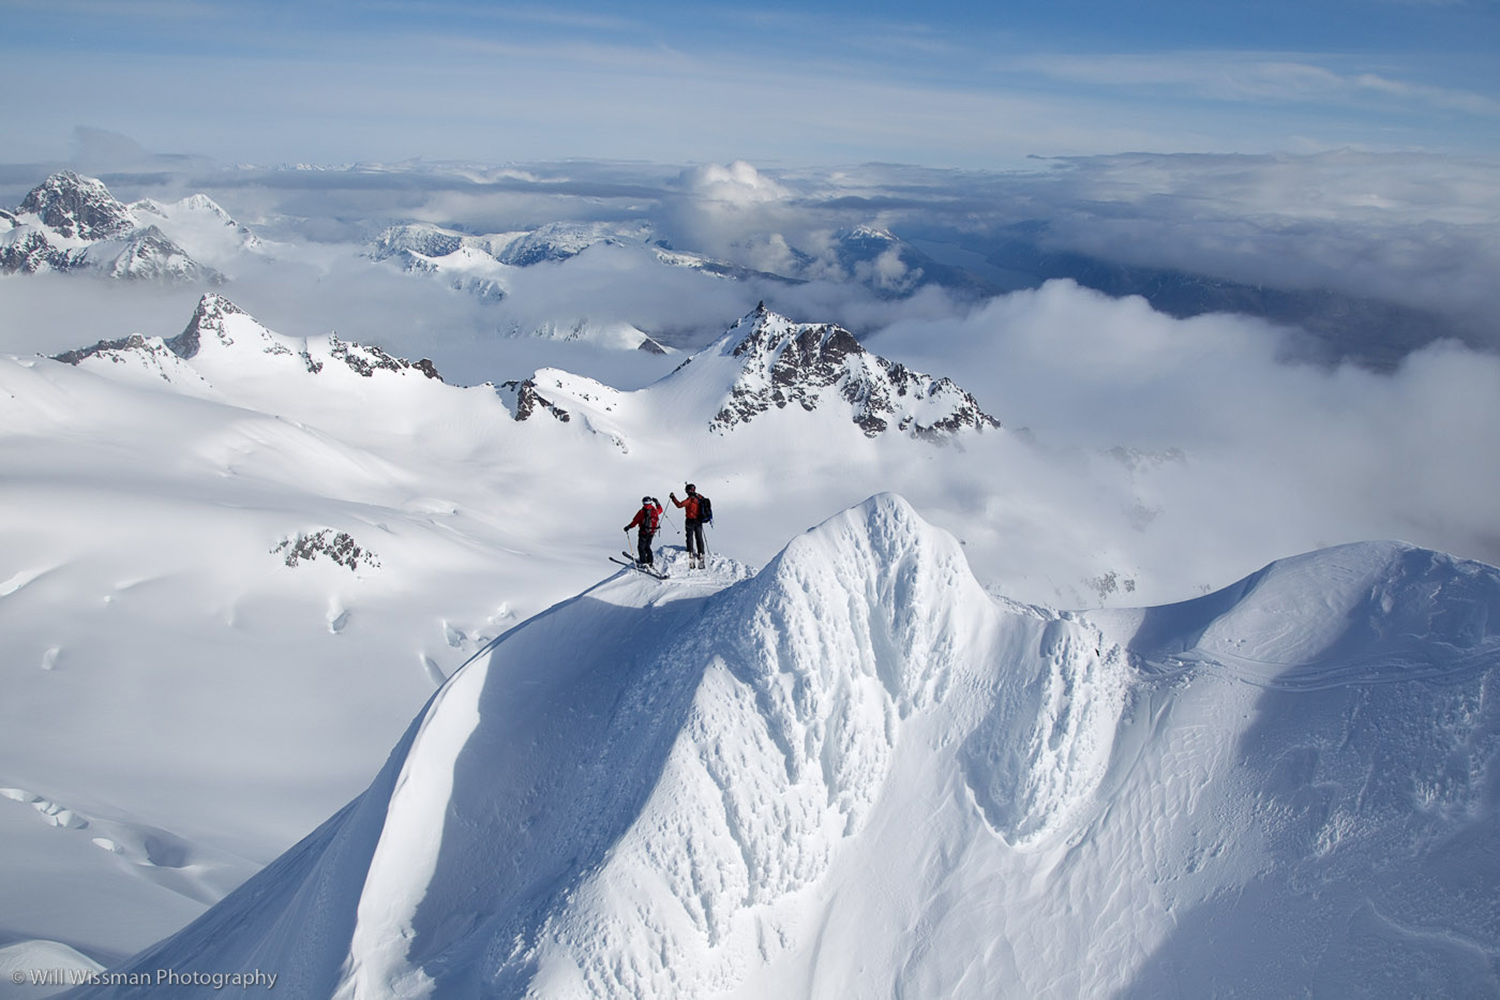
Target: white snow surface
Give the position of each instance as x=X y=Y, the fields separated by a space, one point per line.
x=201 y=227
x=857 y=774
x=234 y=568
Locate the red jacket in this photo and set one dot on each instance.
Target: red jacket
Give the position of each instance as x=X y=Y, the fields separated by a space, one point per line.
x=691 y=503
x=648 y=517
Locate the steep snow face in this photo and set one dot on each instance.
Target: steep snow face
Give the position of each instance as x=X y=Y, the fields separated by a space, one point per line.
x=856 y=774
x=70 y=222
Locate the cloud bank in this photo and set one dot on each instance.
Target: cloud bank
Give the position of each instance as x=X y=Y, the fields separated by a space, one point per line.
x=1171 y=448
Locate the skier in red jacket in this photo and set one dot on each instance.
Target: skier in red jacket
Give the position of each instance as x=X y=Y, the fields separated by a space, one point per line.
x=692 y=524
x=647 y=519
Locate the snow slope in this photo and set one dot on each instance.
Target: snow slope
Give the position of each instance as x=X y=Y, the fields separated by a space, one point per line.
x=856 y=774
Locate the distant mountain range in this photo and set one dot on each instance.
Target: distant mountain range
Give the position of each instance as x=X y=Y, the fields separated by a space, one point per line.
x=72 y=223
x=763 y=363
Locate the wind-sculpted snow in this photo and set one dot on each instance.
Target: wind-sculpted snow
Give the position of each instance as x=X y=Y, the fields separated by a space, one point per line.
x=1037 y=756
x=855 y=773
x=1404 y=613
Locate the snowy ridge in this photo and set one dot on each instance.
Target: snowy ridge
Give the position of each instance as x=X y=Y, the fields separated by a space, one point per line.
x=1406 y=613
x=202 y=228
x=650 y=791
x=600 y=408
x=223 y=343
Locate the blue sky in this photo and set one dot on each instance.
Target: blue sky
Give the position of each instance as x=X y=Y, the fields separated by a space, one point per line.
x=944 y=84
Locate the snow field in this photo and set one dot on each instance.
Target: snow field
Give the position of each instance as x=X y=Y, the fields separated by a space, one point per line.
x=653 y=789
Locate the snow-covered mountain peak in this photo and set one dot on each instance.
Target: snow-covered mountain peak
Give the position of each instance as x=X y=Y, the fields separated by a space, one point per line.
x=763 y=363
x=71 y=223
x=214 y=318
x=739 y=792
x=782 y=362
x=79 y=207
x=421 y=238
x=871 y=236
x=225 y=347
x=557 y=241
x=201 y=226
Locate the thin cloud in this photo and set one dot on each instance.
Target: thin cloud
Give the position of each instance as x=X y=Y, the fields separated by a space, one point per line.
x=1251 y=77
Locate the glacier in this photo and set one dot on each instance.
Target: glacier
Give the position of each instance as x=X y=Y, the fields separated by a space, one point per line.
x=856 y=773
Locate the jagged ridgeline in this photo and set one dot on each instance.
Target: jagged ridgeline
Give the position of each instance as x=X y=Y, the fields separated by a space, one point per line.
x=763 y=363
x=216 y=327
x=856 y=774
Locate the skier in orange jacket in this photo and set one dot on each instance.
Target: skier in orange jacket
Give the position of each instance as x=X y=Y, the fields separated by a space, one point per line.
x=693 y=516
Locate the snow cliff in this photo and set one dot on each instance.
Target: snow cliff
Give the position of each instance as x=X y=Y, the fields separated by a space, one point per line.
x=856 y=774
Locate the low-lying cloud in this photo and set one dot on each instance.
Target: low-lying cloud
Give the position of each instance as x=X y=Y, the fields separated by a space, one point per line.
x=1230 y=456
x=1182 y=446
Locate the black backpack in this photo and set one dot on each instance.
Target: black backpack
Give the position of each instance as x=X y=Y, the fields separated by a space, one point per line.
x=705 y=509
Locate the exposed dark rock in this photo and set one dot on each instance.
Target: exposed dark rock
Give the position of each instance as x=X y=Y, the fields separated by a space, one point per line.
x=208 y=317
x=32 y=253
x=337 y=546
x=366 y=360
x=133 y=342
x=71 y=223
x=525 y=400
x=80 y=207
x=785 y=363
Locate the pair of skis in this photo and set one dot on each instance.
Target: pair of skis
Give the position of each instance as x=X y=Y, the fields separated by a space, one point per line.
x=630 y=561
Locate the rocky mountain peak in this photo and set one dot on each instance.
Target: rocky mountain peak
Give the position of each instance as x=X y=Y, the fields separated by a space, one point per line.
x=783 y=362
x=207 y=318
x=78 y=207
